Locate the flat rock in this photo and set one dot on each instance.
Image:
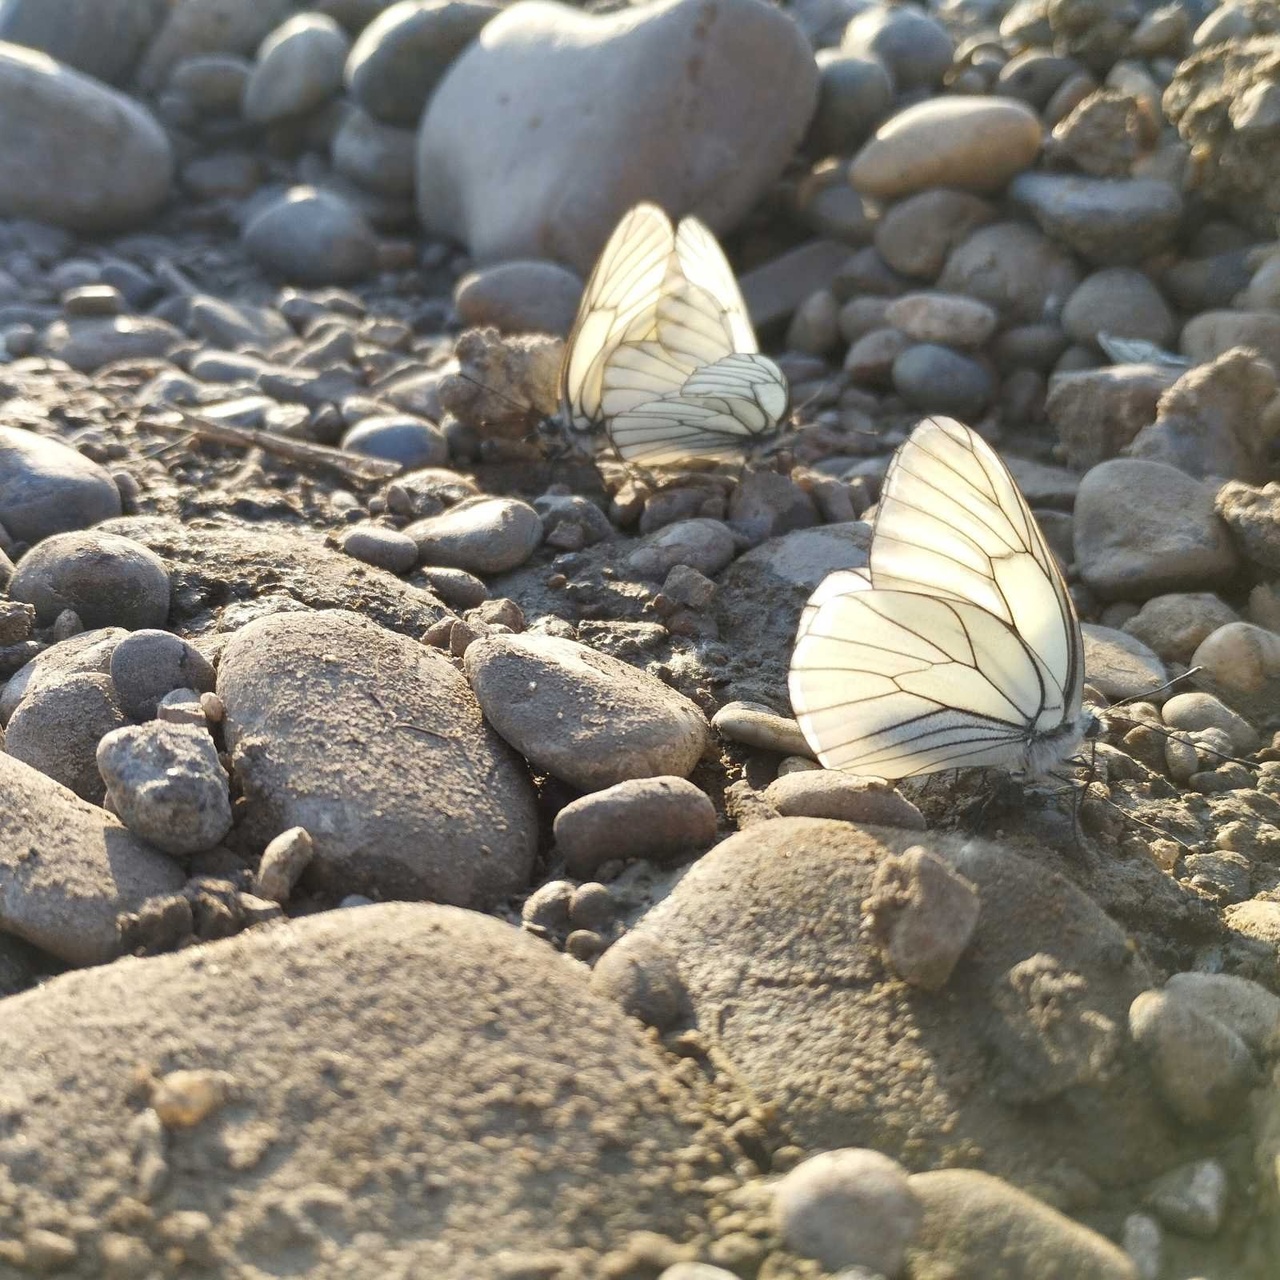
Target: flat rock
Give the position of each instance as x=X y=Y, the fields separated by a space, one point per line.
x=375 y=745
x=47 y=487
x=675 y=82
x=259 y=1031
x=86 y=868
x=586 y=717
x=75 y=152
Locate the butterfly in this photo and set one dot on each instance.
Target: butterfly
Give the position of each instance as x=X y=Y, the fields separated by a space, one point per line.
x=662 y=362
x=958 y=645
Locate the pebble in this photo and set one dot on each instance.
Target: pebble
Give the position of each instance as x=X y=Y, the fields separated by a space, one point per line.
x=1174 y=625
x=85 y=156
x=773 y=290
x=167 y=786
x=519 y=297
x=299 y=68
x=148 y=664
x=376 y=156
x=88 y=652
x=283 y=861
x=969 y=143
x=755 y=725
x=102 y=868
x=831 y=794
x=1098 y=412
x=1192 y=1199
x=937 y=379
x=403 y=54
x=1196 y=711
x=1013 y=268
x=104 y=40
x=106 y=579
x=235 y=326
x=593 y=906
x=1240 y=664
x=56 y=729
x=456 y=587
x=850 y=1207
x=655 y=818
x=1145 y=528
x=462 y=829
x=923 y=914
x=1143 y=1241
x=213 y=83
x=914 y=46
x=47 y=487
x=712 y=144
x=1109 y=221
x=944 y=318
x=585 y=717
x=571 y=521
x=312 y=236
x=854 y=95
x=547 y=907
x=489 y=535
x=696 y=1271
x=88 y=343
x=701 y=544
x=915 y=235
x=1211 y=333
x=1121 y=666
x=399 y=437
x=377 y=545
x=1122 y=303
x=183 y=706
x=1202 y=1068
x=870 y=360
x=1247 y=1008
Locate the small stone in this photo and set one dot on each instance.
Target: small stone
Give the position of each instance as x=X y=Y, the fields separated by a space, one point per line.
x=182 y=706
x=456 y=587
x=1250 y=1010
x=1195 y=711
x=148 y=664
x=936 y=379
x=1014 y=268
x=656 y=818
x=1143 y=1241
x=1202 y=1068
x=922 y=913
x=852 y=1207
x=1121 y=303
x=593 y=906
x=411 y=441
x=519 y=297
x=949 y=319
x=376 y=156
x=1191 y=1200
x=702 y=544
x=378 y=545
x=584 y=944
x=234 y=326
x=641 y=975
x=183 y=1099
x=1174 y=625
x=869 y=361
x=1120 y=667
x=167 y=784
x=831 y=794
x=87 y=343
x=299 y=68
x=283 y=862
x=46 y=1251
x=93 y=300
x=854 y=94
x=1240 y=664
x=755 y=725
x=1212 y=333
x=312 y=236
x=915 y=235
x=492 y=535
x=547 y=907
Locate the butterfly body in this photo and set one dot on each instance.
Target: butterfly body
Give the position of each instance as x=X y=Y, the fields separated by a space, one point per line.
x=662 y=365
x=958 y=645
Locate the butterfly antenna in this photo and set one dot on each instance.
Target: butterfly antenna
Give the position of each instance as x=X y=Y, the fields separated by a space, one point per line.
x=1160 y=688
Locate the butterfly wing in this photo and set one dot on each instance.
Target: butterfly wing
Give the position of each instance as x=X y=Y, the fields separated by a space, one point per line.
x=892 y=684
x=705 y=266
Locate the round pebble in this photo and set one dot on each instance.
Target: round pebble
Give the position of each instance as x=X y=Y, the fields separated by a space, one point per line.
x=377 y=545
x=854 y=94
x=586 y=717
x=702 y=544
x=913 y=45
x=106 y=579
x=299 y=68
x=1193 y=711
x=655 y=818
x=755 y=725
x=936 y=379
x=1122 y=303
x=47 y=487
x=399 y=437
x=830 y=794
x=148 y=664
x=547 y=907
x=310 y=236
x=949 y=319
x=519 y=297
x=490 y=535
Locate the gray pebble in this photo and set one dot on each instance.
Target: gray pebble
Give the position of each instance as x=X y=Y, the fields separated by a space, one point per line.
x=702 y=544
x=234 y=326
x=491 y=535
x=108 y=580
x=1250 y=1010
x=854 y=95
x=93 y=300
x=56 y=729
x=937 y=379
x=182 y=706
x=377 y=545
x=1193 y=711
x=400 y=437
x=913 y=45
x=167 y=785
x=755 y=725
x=374 y=155
x=570 y=521
x=656 y=818
x=89 y=652
x=547 y=907
x=588 y=718
x=830 y=794
x=87 y=343
x=47 y=488
x=312 y=236
x=852 y=1207
x=1143 y=1241
x=283 y=862
x=1192 y=1199
x=456 y=587
x=584 y=944
x=299 y=68
x=149 y=664
x=524 y=296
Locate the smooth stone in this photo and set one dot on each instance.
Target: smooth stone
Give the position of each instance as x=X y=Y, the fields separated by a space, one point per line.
x=1192 y=1199
x=1196 y=711
x=106 y=579
x=74 y=152
x=282 y=863
x=234 y=326
x=1240 y=663
x=146 y=665
x=167 y=786
x=826 y=793
x=1247 y=1008
x=1105 y=220
x=755 y=725
x=1211 y=333
x=937 y=379
x=213 y=83
x=950 y=319
x=1174 y=626
x=584 y=716
x=703 y=544
x=46 y=487
x=1145 y=528
x=1034 y=76
x=848 y=1208
x=915 y=235
x=914 y=46
x=597 y=90
x=491 y=535
x=519 y=297
x=67 y=868
x=1014 y=268
x=1122 y=303
x=399 y=437
x=87 y=343
x=311 y=236
x=870 y=360
x=198 y=27
x=299 y=68
x=374 y=155
x=854 y=95
x=654 y=818
x=89 y=652
x=404 y=53
x=387 y=548
x=971 y=143
x=102 y=38
x=1119 y=665
x=773 y=290
x=409 y=793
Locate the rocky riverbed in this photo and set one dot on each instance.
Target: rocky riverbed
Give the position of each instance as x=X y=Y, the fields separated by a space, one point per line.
x=409 y=864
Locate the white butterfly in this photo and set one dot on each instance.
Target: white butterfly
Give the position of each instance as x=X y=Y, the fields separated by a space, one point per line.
x=959 y=644
x=662 y=360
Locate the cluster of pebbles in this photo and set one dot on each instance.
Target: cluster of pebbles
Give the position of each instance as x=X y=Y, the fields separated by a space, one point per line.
x=295 y=618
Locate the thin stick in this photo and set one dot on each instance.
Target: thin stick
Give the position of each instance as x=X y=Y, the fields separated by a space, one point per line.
x=353 y=466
